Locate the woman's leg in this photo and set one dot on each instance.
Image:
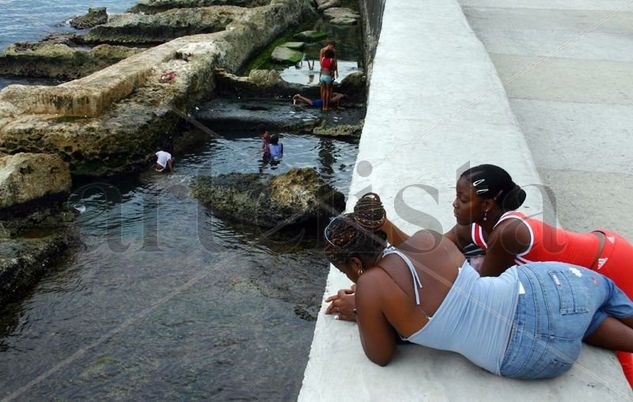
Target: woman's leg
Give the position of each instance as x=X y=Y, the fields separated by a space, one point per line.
x=322 y=88
x=615 y=263
x=613 y=334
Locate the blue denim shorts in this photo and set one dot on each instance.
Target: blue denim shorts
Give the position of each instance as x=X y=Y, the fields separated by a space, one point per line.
x=562 y=304
x=326 y=79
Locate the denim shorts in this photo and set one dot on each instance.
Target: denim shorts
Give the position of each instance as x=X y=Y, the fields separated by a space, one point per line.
x=326 y=79
x=562 y=304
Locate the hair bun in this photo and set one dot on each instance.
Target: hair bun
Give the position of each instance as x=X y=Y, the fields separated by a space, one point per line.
x=514 y=198
x=369 y=211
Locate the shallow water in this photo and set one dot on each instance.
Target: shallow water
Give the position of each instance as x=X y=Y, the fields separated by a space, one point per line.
x=31 y=20
x=163 y=300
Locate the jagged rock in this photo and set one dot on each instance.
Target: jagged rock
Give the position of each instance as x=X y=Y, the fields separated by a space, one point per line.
x=265 y=78
x=35 y=225
x=59 y=60
x=294 y=45
x=285 y=55
x=310 y=36
x=24 y=260
x=342 y=16
x=259 y=84
x=298 y=197
x=224 y=114
x=27 y=177
x=164 y=26
x=354 y=85
x=340 y=130
x=95 y=16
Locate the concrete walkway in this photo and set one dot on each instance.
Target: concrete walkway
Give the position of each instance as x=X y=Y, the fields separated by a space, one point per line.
x=436 y=106
x=567 y=68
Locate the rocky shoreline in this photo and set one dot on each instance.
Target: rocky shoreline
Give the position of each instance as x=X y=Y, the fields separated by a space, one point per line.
x=116 y=110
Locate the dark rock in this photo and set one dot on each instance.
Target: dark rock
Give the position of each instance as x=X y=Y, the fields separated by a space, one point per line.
x=59 y=59
x=291 y=200
x=223 y=114
x=191 y=140
x=95 y=16
x=339 y=130
x=23 y=260
x=354 y=86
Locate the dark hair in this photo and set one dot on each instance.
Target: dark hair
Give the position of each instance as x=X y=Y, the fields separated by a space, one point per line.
x=356 y=234
x=274 y=139
x=261 y=128
x=492 y=182
x=329 y=53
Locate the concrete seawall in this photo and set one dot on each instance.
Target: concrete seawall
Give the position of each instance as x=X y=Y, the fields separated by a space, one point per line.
x=436 y=105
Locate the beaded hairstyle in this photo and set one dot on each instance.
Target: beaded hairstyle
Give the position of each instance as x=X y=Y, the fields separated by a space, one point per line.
x=357 y=234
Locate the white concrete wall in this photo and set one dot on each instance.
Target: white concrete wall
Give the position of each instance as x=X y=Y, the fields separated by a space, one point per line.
x=435 y=106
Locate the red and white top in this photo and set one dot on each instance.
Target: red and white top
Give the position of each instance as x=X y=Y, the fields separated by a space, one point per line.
x=547 y=243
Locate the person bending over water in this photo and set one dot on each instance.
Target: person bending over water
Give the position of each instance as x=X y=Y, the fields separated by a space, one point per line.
x=335 y=100
x=527 y=323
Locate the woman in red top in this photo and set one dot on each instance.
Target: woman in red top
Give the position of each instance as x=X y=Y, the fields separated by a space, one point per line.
x=327 y=76
x=486 y=198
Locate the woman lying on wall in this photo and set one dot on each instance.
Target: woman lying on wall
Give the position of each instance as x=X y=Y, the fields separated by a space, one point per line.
x=503 y=324
x=484 y=207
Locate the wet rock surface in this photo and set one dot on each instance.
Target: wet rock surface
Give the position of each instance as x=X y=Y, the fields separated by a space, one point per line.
x=26 y=177
x=23 y=260
x=269 y=84
x=161 y=27
x=95 y=16
x=288 y=201
x=61 y=59
x=35 y=225
x=236 y=114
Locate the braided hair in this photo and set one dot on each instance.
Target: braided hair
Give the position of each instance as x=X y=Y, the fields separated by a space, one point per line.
x=357 y=234
x=492 y=182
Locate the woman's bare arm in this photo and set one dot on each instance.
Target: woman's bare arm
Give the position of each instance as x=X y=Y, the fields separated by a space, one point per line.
x=395 y=236
x=509 y=239
x=460 y=236
x=377 y=336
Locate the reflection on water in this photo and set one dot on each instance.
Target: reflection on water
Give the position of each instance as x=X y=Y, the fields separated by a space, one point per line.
x=164 y=300
x=307 y=72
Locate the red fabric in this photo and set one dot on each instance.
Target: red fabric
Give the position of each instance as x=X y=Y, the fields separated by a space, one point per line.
x=326 y=62
x=555 y=244
x=626 y=361
x=549 y=243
